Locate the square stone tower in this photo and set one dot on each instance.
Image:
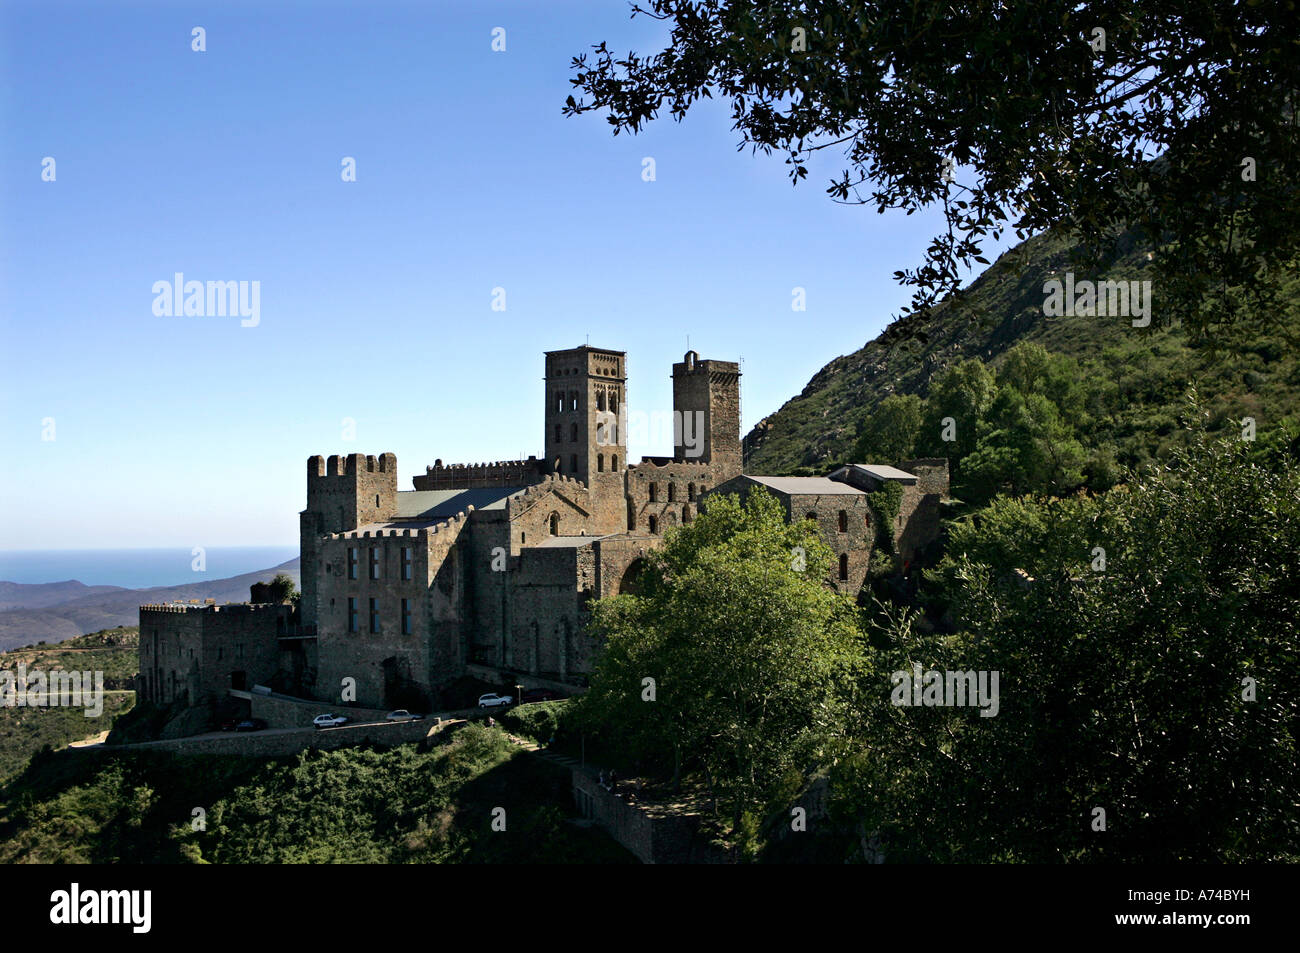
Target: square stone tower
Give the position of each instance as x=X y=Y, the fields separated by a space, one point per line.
x=706 y=405
x=586 y=412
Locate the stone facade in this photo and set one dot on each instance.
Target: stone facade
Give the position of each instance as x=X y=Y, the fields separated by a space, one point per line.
x=490 y=569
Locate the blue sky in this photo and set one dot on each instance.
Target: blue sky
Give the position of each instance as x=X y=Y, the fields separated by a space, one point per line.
x=376 y=295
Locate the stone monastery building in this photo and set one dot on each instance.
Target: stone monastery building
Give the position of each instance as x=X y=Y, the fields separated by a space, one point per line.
x=488 y=570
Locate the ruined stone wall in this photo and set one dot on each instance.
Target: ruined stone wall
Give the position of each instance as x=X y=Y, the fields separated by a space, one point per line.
x=854 y=542
x=676 y=488
x=389 y=660
x=548 y=599
x=197 y=653
x=920 y=510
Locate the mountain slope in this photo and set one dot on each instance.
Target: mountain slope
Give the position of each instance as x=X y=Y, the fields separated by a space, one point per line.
x=1151 y=367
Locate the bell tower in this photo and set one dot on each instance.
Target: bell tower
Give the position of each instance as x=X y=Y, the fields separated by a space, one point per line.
x=586 y=412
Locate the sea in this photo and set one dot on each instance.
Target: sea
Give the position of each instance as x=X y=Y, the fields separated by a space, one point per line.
x=137 y=568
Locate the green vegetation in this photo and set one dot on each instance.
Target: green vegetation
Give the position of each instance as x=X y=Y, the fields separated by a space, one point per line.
x=1121 y=653
x=346 y=806
x=1114 y=390
x=26 y=731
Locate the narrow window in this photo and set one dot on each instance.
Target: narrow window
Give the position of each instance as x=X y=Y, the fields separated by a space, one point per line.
x=613 y=463
x=559 y=402
x=376 y=501
x=573 y=400
x=690 y=492
x=352 y=613
x=374 y=615
x=352 y=562
x=654 y=526
x=654 y=492
x=600 y=463
x=844 y=566
x=406 y=617
x=672 y=492
x=555 y=524
x=573 y=432
x=374 y=562
x=686 y=513
x=407 y=573
x=844 y=521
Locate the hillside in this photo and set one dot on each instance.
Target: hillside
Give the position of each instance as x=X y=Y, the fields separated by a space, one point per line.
x=25 y=731
x=52 y=612
x=1150 y=368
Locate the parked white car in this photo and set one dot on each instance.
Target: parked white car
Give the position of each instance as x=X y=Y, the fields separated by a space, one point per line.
x=492 y=700
x=328 y=721
x=403 y=715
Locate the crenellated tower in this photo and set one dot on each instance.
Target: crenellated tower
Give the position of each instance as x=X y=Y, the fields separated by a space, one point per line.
x=342 y=494
x=706 y=408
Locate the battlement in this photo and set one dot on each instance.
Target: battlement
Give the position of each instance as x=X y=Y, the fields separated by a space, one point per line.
x=464 y=476
x=452 y=523
x=350 y=465
x=246 y=607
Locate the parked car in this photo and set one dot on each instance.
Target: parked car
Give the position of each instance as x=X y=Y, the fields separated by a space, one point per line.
x=251 y=724
x=228 y=724
x=493 y=700
x=540 y=695
x=328 y=721
x=403 y=715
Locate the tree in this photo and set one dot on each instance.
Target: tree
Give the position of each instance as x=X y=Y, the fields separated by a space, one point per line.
x=959 y=399
x=1175 y=120
x=889 y=434
x=750 y=652
x=1023 y=447
x=283 y=589
x=1146 y=666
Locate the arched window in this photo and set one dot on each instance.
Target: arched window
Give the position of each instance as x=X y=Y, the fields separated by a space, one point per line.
x=654 y=493
x=844 y=521
x=600 y=399
x=600 y=463
x=559 y=401
x=573 y=400
x=555 y=524
x=686 y=514
x=672 y=492
x=844 y=566
x=613 y=403
x=690 y=492
x=613 y=462
x=573 y=432
x=654 y=526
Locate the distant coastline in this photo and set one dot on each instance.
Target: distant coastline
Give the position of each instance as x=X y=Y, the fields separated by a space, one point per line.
x=137 y=568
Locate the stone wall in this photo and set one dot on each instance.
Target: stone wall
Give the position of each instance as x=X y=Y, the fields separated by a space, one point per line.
x=197 y=653
x=464 y=476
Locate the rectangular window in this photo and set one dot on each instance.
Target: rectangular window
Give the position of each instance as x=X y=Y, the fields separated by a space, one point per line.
x=374 y=615
x=654 y=492
x=352 y=562
x=844 y=567
x=374 y=562
x=844 y=521
x=352 y=613
x=406 y=617
x=407 y=572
